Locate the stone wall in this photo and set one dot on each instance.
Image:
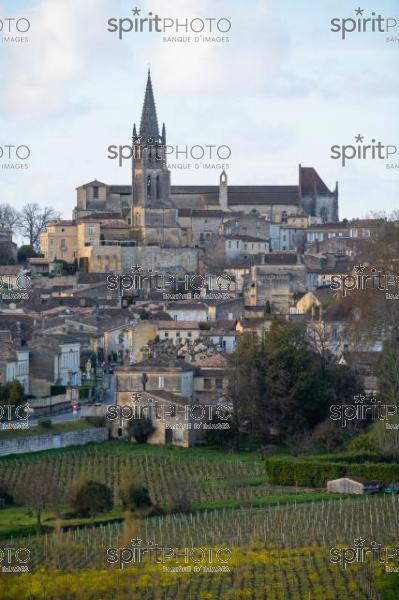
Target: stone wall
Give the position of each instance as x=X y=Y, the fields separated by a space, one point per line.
x=19 y=445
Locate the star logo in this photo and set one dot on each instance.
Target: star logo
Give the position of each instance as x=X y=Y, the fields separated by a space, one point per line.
x=136 y=542
x=359 y=11
x=359 y=138
x=135 y=269
x=359 y=542
x=136 y=11
x=359 y=269
x=136 y=397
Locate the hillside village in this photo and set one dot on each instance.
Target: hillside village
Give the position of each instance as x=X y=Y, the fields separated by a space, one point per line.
x=160 y=281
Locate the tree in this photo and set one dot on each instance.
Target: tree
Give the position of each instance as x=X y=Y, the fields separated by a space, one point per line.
x=245 y=389
x=33 y=220
x=141 y=429
x=386 y=441
x=328 y=435
x=25 y=252
x=181 y=493
x=378 y=316
x=221 y=438
x=9 y=217
x=16 y=394
x=91 y=498
x=387 y=368
x=268 y=308
x=135 y=496
x=298 y=396
x=39 y=490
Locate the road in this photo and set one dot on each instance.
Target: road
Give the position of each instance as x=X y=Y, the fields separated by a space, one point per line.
x=105 y=394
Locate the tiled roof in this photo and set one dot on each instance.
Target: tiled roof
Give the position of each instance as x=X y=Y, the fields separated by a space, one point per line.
x=245 y=238
x=361 y=358
x=311 y=181
x=243 y=194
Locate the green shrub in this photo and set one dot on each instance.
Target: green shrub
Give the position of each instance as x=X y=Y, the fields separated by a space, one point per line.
x=138 y=497
x=91 y=498
x=141 y=429
x=315 y=473
x=362 y=456
x=57 y=390
x=83 y=392
x=362 y=441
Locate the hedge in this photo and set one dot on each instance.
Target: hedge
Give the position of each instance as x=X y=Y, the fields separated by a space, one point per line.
x=57 y=390
x=315 y=473
x=363 y=456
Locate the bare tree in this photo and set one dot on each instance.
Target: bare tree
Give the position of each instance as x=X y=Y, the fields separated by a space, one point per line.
x=33 y=221
x=39 y=490
x=9 y=217
x=181 y=493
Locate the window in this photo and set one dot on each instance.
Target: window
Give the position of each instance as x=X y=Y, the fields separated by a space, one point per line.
x=189 y=334
x=166 y=334
x=219 y=383
x=161 y=382
x=177 y=333
x=91 y=229
x=207 y=384
x=95 y=193
x=63 y=245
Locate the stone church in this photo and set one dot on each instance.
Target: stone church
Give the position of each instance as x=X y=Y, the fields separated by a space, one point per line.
x=154 y=208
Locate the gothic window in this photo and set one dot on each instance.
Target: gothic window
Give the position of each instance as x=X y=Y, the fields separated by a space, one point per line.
x=158 y=188
x=148 y=186
x=324 y=214
x=284 y=216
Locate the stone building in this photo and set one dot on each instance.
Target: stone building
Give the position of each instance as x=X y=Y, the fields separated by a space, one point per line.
x=8 y=249
x=151 y=189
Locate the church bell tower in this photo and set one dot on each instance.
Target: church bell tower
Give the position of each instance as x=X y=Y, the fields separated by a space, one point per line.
x=150 y=175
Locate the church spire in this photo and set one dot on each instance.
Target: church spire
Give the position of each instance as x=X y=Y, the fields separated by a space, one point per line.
x=149 y=122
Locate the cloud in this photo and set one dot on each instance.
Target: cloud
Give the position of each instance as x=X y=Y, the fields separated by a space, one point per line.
x=66 y=43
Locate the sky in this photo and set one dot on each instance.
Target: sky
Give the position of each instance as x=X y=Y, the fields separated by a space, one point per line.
x=281 y=90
